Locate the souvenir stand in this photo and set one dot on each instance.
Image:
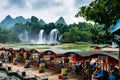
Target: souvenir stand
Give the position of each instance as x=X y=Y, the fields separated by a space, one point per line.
x=10 y=54
x=70 y=61
x=21 y=55
x=5 y=55
x=34 y=57
x=2 y=51
x=2 y=55
x=46 y=59
x=15 y=57
x=103 y=60
x=27 y=59
x=71 y=58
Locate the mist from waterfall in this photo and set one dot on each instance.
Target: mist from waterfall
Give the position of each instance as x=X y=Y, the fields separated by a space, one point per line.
x=23 y=36
x=26 y=36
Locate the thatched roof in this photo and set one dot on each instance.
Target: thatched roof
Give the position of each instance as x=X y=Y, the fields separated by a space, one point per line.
x=113 y=53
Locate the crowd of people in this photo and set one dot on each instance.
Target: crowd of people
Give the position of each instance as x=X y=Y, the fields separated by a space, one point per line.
x=92 y=71
x=86 y=69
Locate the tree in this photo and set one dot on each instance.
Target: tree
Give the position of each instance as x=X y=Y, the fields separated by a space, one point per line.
x=34 y=19
x=72 y=35
x=7 y=36
x=62 y=28
x=103 y=12
x=98 y=34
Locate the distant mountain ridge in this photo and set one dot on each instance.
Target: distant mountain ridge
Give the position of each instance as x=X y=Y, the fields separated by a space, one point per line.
x=8 y=21
x=60 y=21
x=42 y=22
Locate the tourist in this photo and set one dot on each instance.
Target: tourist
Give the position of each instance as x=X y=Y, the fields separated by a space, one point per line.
x=113 y=76
x=93 y=65
x=101 y=75
x=9 y=57
x=5 y=59
x=79 y=67
x=60 y=64
x=37 y=62
x=105 y=74
x=75 y=68
x=27 y=64
x=64 y=74
x=15 y=60
x=95 y=74
x=1 y=55
x=41 y=67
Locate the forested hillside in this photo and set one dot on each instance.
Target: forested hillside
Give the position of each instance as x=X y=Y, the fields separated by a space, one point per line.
x=72 y=33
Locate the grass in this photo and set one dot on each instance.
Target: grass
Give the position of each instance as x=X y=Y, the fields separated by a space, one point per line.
x=83 y=46
x=79 y=46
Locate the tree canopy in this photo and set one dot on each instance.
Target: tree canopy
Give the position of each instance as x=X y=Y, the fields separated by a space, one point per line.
x=72 y=33
x=105 y=12
x=7 y=36
x=101 y=11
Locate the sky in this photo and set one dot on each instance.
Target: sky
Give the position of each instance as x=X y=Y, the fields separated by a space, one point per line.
x=48 y=10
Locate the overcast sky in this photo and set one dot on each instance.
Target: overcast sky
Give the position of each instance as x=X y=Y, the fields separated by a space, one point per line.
x=48 y=10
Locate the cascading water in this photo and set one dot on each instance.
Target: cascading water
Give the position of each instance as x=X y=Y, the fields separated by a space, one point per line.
x=53 y=36
x=60 y=37
x=41 y=39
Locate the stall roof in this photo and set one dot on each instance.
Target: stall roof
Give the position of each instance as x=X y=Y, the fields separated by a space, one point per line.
x=111 y=53
x=104 y=53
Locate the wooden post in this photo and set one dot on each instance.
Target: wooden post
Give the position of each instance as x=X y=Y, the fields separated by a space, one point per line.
x=89 y=70
x=107 y=65
x=118 y=42
x=119 y=60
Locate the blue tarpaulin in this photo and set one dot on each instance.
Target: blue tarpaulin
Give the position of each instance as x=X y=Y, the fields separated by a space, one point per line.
x=116 y=28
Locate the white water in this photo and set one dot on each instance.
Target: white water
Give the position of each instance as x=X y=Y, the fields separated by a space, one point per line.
x=52 y=38
x=54 y=34
x=41 y=38
x=24 y=36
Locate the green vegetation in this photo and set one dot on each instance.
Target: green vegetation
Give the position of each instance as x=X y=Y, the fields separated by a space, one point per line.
x=7 y=36
x=104 y=12
x=83 y=46
x=72 y=33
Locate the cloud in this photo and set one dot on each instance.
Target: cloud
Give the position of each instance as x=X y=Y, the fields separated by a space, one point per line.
x=41 y=4
x=18 y=3
x=48 y=10
x=79 y=3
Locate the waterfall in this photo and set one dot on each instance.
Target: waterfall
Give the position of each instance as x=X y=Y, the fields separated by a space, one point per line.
x=53 y=36
x=41 y=39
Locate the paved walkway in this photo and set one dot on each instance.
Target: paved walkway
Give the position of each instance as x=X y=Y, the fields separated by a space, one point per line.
x=33 y=71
